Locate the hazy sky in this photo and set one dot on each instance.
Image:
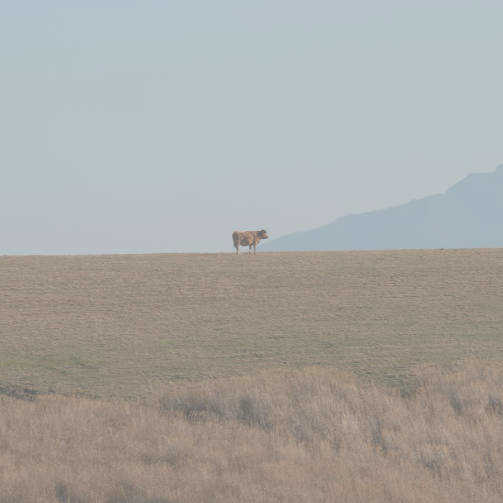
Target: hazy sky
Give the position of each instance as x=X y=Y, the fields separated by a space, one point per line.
x=164 y=126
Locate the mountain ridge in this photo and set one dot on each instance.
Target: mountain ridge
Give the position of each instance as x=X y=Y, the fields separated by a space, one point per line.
x=467 y=215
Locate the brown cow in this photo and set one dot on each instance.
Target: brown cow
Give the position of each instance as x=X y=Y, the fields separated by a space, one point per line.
x=248 y=238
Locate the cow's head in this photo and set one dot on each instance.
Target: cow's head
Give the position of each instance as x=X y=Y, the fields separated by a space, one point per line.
x=262 y=234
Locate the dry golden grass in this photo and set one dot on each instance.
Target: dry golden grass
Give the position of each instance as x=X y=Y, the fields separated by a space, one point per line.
x=281 y=436
x=118 y=327
x=113 y=326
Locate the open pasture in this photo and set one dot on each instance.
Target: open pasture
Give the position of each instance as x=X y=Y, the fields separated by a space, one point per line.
x=119 y=325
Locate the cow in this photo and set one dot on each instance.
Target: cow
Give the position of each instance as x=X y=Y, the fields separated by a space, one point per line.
x=248 y=238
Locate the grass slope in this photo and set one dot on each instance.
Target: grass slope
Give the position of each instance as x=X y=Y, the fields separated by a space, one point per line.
x=315 y=435
x=118 y=325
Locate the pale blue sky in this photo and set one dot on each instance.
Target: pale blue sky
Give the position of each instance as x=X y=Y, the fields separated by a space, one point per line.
x=163 y=126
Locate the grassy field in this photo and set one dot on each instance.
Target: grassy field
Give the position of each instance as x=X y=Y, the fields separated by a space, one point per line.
x=124 y=324
x=280 y=436
x=240 y=378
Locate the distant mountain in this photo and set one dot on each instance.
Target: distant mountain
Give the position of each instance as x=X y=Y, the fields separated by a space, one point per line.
x=468 y=215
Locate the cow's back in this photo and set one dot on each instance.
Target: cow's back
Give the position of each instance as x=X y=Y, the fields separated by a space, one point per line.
x=244 y=238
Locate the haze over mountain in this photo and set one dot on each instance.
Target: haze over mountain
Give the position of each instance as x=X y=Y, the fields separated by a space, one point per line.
x=468 y=215
x=151 y=127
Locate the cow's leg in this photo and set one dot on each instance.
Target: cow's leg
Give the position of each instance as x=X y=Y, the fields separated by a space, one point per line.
x=254 y=248
x=249 y=250
x=237 y=249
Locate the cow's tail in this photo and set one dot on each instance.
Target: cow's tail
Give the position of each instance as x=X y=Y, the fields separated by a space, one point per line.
x=235 y=240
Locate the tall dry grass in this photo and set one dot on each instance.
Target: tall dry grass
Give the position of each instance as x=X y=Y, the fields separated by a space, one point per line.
x=313 y=435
